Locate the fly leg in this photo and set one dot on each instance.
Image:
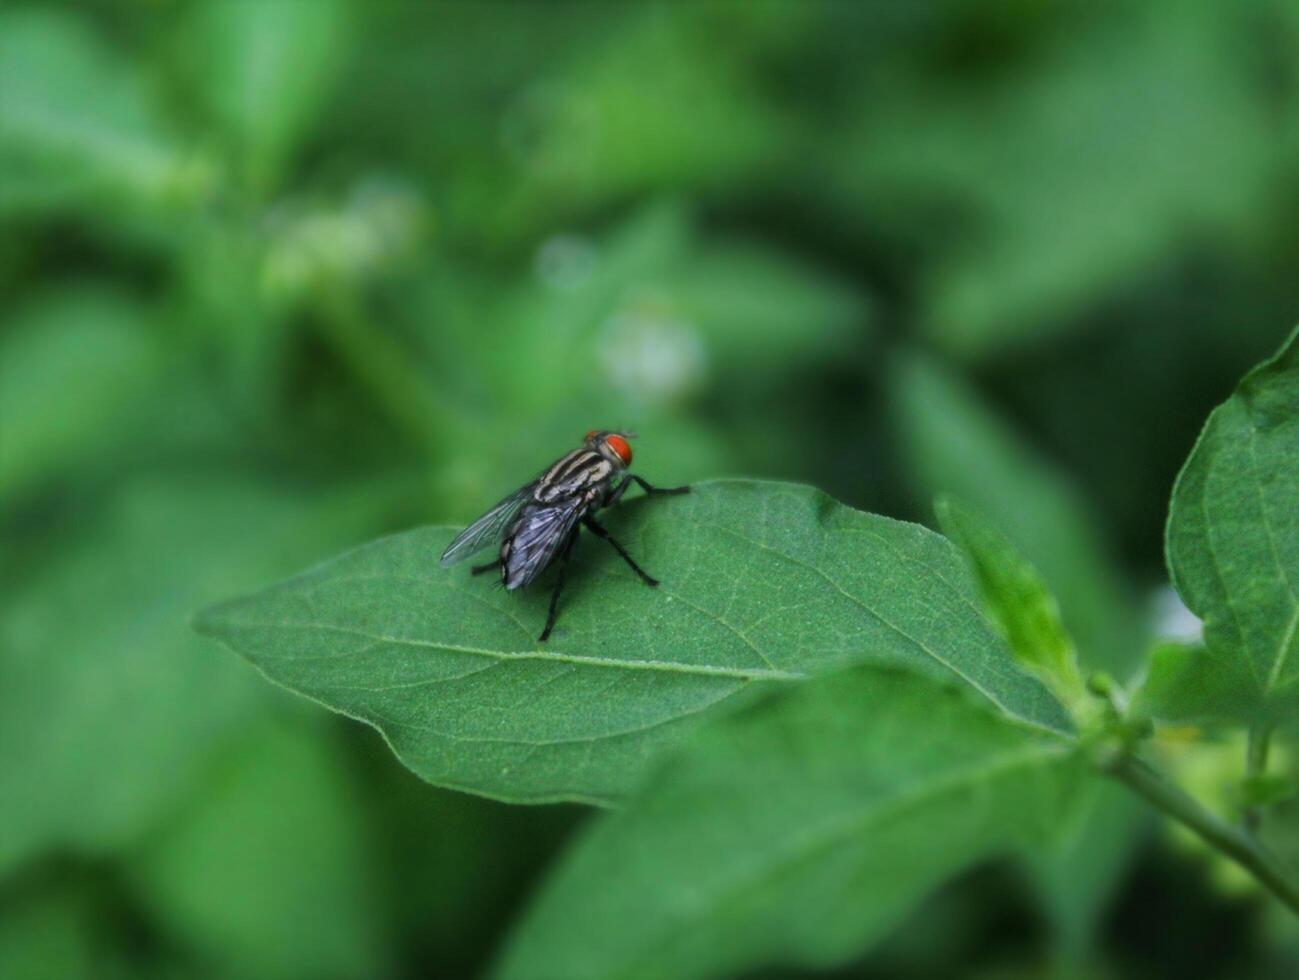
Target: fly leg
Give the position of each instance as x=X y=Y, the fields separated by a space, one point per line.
x=479 y=569
x=600 y=532
x=559 y=587
x=644 y=485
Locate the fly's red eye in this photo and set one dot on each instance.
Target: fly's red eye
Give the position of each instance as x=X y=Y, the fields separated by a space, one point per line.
x=620 y=446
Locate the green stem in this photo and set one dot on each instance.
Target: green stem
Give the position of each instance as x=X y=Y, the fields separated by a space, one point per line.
x=1241 y=847
x=1260 y=736
x=389 y=373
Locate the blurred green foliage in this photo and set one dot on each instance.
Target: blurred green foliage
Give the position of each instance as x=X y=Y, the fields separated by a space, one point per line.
x=280 y=276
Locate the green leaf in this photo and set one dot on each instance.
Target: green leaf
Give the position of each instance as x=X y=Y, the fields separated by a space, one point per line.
x=1233 y=536
x=762 y=584
x=265 y=71
x=794 y=833
x=1185 y=684
x=1018 y=601
x=109 y=705
x=75 y=123
x=267 y=872
x=70 y=364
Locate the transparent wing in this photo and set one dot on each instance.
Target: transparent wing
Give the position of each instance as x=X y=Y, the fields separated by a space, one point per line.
x=535 y=544
x=487 y=529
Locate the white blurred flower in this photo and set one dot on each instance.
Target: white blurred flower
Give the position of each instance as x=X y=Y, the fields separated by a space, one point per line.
x=652 y=356
x=565 y=262
x=378 y=223
x=1172 y=620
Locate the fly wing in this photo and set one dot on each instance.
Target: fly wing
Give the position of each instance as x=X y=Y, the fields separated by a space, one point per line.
x=538 y=539
x=488 y=529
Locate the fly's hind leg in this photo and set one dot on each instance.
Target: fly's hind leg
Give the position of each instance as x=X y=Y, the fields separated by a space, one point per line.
x=559 y=587
x=600 y=532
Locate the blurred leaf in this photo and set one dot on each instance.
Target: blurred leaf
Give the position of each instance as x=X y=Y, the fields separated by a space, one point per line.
x=1078 y=874
x=954 y=443
x=762 y=312
x=75 y=123
x=55 y=934
x=70 y=363
x=1062 y=182
x=457 y=866
x=1233 y=536
x=762 y=582
x=1185 y=684
x=794 y=833
x=1018 y=602
x=265 y=70
x=586 y=129
x=268 y=872
x=109 y=705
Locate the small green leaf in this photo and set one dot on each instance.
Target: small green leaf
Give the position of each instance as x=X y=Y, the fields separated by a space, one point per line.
x=955 y=442
x=75 y=123
x=1233 y=536
x=1184 y=684
x=762 y=584
x=265 y=70
x=1264 y=790
x=794 y=833
x=1018 y=601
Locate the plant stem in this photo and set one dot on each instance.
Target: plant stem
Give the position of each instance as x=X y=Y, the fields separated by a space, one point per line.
x=389 y=374
x=1255 y=765
x=1232 y=841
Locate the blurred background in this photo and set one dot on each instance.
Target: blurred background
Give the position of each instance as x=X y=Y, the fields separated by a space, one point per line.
x=280 y=276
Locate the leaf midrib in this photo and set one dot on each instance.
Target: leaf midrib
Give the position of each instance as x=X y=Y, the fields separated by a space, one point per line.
x=923 y=647
x=662 y=666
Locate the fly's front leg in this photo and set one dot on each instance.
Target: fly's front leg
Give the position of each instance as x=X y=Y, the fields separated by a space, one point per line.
x=600 y=532
x=559 y=587
x=644 y=485
x=656 y=491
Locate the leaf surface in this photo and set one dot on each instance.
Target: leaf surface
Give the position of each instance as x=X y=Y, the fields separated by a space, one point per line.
x=1233 y=536
x=795 y=832
x=762 y=584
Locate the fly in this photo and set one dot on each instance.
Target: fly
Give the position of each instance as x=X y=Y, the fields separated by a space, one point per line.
x=539 y=523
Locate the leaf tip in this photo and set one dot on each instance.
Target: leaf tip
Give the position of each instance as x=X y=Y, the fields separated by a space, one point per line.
x=210 y=620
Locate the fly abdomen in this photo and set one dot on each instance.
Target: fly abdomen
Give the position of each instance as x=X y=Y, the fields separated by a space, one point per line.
x=540 y=532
